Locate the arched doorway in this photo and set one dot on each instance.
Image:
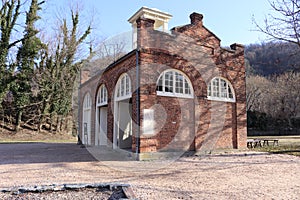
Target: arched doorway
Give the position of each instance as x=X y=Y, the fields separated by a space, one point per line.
x=86 y=120
x=101 y=117
x=122 y=137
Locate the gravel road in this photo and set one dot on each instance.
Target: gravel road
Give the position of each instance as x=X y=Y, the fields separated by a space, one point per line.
x=231 y=175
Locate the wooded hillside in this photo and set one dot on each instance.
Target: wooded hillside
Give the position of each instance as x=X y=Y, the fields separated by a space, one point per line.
x=273 y=87
x=272 y=58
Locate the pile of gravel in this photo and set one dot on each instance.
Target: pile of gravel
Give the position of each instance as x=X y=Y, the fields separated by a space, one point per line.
x=70 y=191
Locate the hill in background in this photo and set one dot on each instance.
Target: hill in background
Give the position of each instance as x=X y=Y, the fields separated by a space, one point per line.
x=272 y=58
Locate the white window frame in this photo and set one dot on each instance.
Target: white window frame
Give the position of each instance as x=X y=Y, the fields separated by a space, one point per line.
x=215 y=92
x=87 y=103
x=86 y=119
x=102 y=96
x=123 y=88
x=174 y=86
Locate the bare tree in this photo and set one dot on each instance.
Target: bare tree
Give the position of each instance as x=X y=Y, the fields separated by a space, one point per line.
x=108 y=51
x=284 y=23
x=286 y=95
x=278 y=96
x=257 y=93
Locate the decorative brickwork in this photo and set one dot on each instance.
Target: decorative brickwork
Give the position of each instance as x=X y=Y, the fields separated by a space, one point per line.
x=176 y=123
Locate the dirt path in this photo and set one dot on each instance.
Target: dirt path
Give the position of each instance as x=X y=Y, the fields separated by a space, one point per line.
x=229 y=176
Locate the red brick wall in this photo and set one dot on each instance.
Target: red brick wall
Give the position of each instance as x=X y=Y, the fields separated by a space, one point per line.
x=181 y=123
x=109 y=78
x=160 y=51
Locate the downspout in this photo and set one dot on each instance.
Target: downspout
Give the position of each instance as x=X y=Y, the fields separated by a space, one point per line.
x=79 y=122
x=137 y=147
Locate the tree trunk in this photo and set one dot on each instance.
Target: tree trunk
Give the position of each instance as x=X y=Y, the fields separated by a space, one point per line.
x=42 y=116
x=18 y=121
x=58 y=122
x=61 y=124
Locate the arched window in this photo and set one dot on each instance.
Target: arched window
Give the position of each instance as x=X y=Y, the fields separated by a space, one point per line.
x=220 y=89
x=101 y=117
x=86 y=120
x=87 y=102
x=174 y=83
x=102 y=96
x=123 y=88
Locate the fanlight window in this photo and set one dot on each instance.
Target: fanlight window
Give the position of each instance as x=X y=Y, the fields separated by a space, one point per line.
x=221 y=90
x=123 y=87
x=174 y=83
x=87 y=103
x=102 y=96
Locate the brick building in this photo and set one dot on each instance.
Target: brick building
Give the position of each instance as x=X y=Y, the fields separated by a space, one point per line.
x=176 y=90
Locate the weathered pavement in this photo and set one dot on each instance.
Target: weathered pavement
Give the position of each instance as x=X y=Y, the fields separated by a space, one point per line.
x=234 y=175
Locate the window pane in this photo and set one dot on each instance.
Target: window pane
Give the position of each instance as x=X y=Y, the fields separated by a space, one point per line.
x=223 y=89
x=169 y=82
x=98 y=97
x=102 y=95
x=122 y=86
x=215 y=88
x=118 y=92
x=87 y=101
x=178 y=83
x=230 y=94
x=220 y=88
x=209 y=90
x=160 y=84
x=105 y=95
x=127 y=85
x=187 y=87
x=174 y=83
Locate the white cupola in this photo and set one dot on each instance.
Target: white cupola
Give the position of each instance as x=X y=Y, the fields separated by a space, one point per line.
x=161 y=21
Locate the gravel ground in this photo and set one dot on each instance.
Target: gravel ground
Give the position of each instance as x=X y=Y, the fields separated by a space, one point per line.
x=79 y=194
x=232 y=175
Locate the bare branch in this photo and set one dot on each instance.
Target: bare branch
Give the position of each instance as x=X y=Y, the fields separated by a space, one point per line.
x=284 y=23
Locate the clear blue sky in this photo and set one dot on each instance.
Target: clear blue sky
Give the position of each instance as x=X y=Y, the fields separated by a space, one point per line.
x=230 y=20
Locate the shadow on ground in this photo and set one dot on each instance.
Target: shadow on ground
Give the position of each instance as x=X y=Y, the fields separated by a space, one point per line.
x=24 y=153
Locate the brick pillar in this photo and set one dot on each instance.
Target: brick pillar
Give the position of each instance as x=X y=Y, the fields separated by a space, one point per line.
x=144 y=25
x=241 y=125
x=196 y=19
x=234 y=125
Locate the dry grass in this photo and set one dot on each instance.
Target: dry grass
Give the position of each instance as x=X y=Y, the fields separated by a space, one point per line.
x=287 y=145
x=282 y=149
x=32 y=136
